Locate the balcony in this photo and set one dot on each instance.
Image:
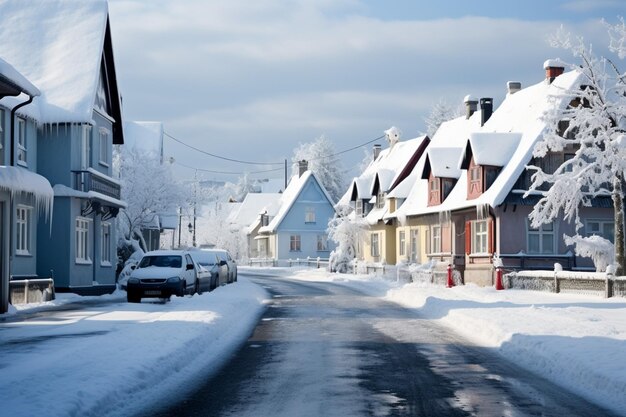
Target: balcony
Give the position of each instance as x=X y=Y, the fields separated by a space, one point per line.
x=91 y=180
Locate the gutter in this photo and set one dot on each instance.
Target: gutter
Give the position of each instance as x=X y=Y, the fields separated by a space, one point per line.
x=12 y=137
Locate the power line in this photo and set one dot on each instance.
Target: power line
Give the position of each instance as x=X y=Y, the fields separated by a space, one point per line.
x=228 y=172
x=220 y=157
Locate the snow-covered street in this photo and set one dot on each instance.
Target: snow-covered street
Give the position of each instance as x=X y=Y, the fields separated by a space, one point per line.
x=338 y=342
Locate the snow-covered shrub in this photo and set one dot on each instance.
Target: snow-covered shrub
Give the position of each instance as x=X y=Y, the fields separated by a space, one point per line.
x=600 y=250
x=345 y=230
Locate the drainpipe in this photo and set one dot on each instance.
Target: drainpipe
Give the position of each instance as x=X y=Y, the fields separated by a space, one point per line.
x=15 y=109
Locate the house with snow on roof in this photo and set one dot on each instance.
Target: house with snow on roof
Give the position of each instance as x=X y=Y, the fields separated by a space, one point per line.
x=376 y=193
x=299 y=228
x=65 y=48
x=25 y=197
x=470 y=201
x=253 y=213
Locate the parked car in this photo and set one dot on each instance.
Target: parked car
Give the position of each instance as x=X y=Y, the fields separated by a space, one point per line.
x=232 y=264
x=164 y=273
x=209 y=260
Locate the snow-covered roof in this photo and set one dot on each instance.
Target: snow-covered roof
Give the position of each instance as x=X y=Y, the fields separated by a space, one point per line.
x=146 y=136
x=387 y=168
x=289 y=197
x=444 y=162
x=58 y=46
x=10 y=75
x=519 y=119
x=493 y=148
x=21 y=181
x=248 y=213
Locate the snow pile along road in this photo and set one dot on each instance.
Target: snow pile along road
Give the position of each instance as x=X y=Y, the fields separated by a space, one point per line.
x=117 y=359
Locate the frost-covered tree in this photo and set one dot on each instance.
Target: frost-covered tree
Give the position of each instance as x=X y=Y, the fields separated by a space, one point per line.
x=148 y=188
x=441 y=112
x=590 y=122
x=346 y=231
x=241 y=188
x=323 y=161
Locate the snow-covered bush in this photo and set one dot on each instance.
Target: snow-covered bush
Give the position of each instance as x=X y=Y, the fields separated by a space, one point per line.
x=346 y=231
x=600 y=250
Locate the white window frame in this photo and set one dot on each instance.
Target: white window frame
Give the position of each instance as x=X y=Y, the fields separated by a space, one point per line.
x=105 y=244
x=104 y=147
x=81 y=234
x=85 y=152
x=480 y=236
x=435 y=238
x=23 y=230
x=543 y=230
x=322 y=243
x=295 y=243
x=22 y=144
x=601 y=223
x=374 y=245
x=402 y=243
x=380 y=199
x=359 y=207
x=309 y=214
x=414 y=236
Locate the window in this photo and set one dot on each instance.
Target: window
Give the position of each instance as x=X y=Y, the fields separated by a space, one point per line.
x=21 y=141
x=82 y=240
x=604 y=228
x=23 y=232
x=105 y=244
x=435 y=239
x=414 y=246
x=434 y=196
x=85 y=159
x=380 y=199
x=104 y=146
x=480 y=238
x=322 y=243
x=359 y=207
x=375 y=249
x=309 y=215
x=541 y=240
x=402 y=243
x=294 y=243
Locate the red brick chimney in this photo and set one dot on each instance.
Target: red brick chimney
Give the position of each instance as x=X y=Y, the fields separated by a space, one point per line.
x=554 y=68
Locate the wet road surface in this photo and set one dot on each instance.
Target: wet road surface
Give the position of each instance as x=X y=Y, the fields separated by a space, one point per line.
x=323 y=349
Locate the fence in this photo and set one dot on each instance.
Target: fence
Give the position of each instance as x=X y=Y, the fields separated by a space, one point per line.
x=589 y=283
x=30 y=290
x=316 y=262
x=260 y=262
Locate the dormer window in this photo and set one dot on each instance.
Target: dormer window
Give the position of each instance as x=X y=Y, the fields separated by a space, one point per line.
x=380 y=199
x=434 y=191
x=359 y=207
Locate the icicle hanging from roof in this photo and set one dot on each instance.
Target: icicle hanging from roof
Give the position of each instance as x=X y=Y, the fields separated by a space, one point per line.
x=20 y=181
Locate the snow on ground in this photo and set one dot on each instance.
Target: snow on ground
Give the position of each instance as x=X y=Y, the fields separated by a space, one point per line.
x=115 y=358
x=576 y=341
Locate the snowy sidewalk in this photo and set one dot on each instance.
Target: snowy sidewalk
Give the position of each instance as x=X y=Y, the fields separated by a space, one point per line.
x=576 y=341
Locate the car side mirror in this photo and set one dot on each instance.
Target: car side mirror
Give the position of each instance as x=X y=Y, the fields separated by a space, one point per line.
x=189 y=266
x=222 y=263
x=133 y=267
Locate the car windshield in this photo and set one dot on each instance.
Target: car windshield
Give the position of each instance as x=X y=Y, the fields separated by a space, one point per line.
x=162 y=261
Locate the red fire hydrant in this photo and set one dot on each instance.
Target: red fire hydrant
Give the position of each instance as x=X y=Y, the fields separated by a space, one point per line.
x=499 y=285
x=450 y=283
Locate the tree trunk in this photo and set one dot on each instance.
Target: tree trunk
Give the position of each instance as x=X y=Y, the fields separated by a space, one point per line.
x=618 y=207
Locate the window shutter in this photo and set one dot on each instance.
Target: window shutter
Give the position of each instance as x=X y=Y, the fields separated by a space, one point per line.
x=468 y=237
x=428 y=240
x=490 y=237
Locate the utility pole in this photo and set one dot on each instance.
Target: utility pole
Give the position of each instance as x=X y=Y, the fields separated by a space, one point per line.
x=195 y=196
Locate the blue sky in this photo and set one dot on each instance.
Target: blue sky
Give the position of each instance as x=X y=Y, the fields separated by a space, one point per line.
x=253 y=80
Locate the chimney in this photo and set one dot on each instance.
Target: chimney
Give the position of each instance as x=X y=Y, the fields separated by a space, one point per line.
x=554 y=68
x=376 y=150
x=302 y=167
x=486 y=108
x=513 y=87
x=471 y=105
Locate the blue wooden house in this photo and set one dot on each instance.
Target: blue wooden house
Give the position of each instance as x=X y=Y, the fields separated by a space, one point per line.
x=298 y=230
x=71 y=61
x=24 y=194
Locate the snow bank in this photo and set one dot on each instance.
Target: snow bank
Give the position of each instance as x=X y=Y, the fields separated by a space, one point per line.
x=117 y=359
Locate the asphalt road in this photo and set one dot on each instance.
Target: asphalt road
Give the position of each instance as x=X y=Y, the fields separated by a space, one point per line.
x=323 y=349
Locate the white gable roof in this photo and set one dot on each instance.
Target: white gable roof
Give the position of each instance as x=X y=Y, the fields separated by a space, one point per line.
x=521 y=114
x=249 y=211
x=289 y=197
x=444 y=162
x=57 y=45
x=493 y=148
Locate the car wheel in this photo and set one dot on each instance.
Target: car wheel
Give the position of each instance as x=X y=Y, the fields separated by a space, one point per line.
x=133 y=298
